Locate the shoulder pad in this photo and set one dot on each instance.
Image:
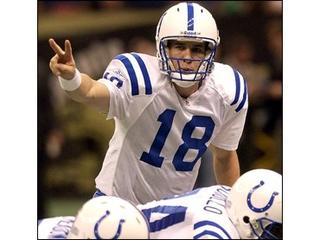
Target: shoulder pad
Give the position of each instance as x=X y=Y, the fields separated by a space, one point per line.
x=231 y=86
x=138 y=69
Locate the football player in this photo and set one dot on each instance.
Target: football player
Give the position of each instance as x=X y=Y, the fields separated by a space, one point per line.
x=167 y=109
x=251 y=209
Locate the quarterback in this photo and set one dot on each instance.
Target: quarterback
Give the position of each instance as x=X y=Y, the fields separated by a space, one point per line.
x=167 y=109
x=251 y=209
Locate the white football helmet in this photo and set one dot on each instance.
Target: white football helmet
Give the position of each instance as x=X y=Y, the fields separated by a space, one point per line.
x=109 y=217
x=254 y=205
x=186 y=22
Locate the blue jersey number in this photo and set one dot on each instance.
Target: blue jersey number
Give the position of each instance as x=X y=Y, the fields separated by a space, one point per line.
x=175 y=214
x=166 y=118
x=153 y=156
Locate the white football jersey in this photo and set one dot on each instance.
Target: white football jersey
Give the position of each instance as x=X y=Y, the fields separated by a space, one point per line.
x=197 y=214
x=159 y=136
x=55 y=227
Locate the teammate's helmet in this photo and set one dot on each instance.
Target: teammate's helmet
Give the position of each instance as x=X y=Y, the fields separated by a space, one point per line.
x=187 y=22
x=107 y=217
x=254 y=205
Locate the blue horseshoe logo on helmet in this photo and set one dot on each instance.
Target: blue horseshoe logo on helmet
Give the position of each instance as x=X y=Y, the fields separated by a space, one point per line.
x=267 y=206
x=96 y=232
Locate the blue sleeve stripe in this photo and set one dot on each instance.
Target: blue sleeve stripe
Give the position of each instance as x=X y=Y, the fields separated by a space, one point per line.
x=244 y=97
x=190 y=17
x=210 y=233
x=145 y=74
x=204 y=223
x=237 y=78
x=131 y=72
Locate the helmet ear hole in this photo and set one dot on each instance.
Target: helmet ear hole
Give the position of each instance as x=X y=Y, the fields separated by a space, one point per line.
x=246 y=219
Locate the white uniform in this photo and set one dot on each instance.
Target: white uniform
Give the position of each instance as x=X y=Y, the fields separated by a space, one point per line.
x=197 y=214
x=160 y=136
x=55 y=228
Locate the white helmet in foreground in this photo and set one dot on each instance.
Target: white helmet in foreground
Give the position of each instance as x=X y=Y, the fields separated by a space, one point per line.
x=186 y=21
x=254 y=204
x=109 y=217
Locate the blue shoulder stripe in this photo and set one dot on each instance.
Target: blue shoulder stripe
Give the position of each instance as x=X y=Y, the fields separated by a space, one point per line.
x=131 y=72
x=244 y=97
x=237 y=78
x=145 y=74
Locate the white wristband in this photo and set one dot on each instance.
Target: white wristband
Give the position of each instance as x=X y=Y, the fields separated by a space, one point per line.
x=72 y=84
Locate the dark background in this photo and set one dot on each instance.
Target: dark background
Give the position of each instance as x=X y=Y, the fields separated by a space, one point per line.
x=73 y=139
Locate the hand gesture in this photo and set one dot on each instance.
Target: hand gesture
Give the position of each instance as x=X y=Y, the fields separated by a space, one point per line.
x=62 y=64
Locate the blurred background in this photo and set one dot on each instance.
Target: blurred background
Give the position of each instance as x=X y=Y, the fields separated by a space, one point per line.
x=73 y=139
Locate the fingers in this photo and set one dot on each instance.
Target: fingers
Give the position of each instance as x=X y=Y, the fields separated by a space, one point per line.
x=66 y=72
x=60 y=69
x=68 y=49
x=53 y=65
x=62 y=64
x=56 y=48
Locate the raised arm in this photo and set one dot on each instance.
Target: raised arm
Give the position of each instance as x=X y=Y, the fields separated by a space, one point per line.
x=78 y=86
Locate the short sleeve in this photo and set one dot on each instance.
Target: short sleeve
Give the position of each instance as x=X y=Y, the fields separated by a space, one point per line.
x=117 y=83
x=229 y=136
